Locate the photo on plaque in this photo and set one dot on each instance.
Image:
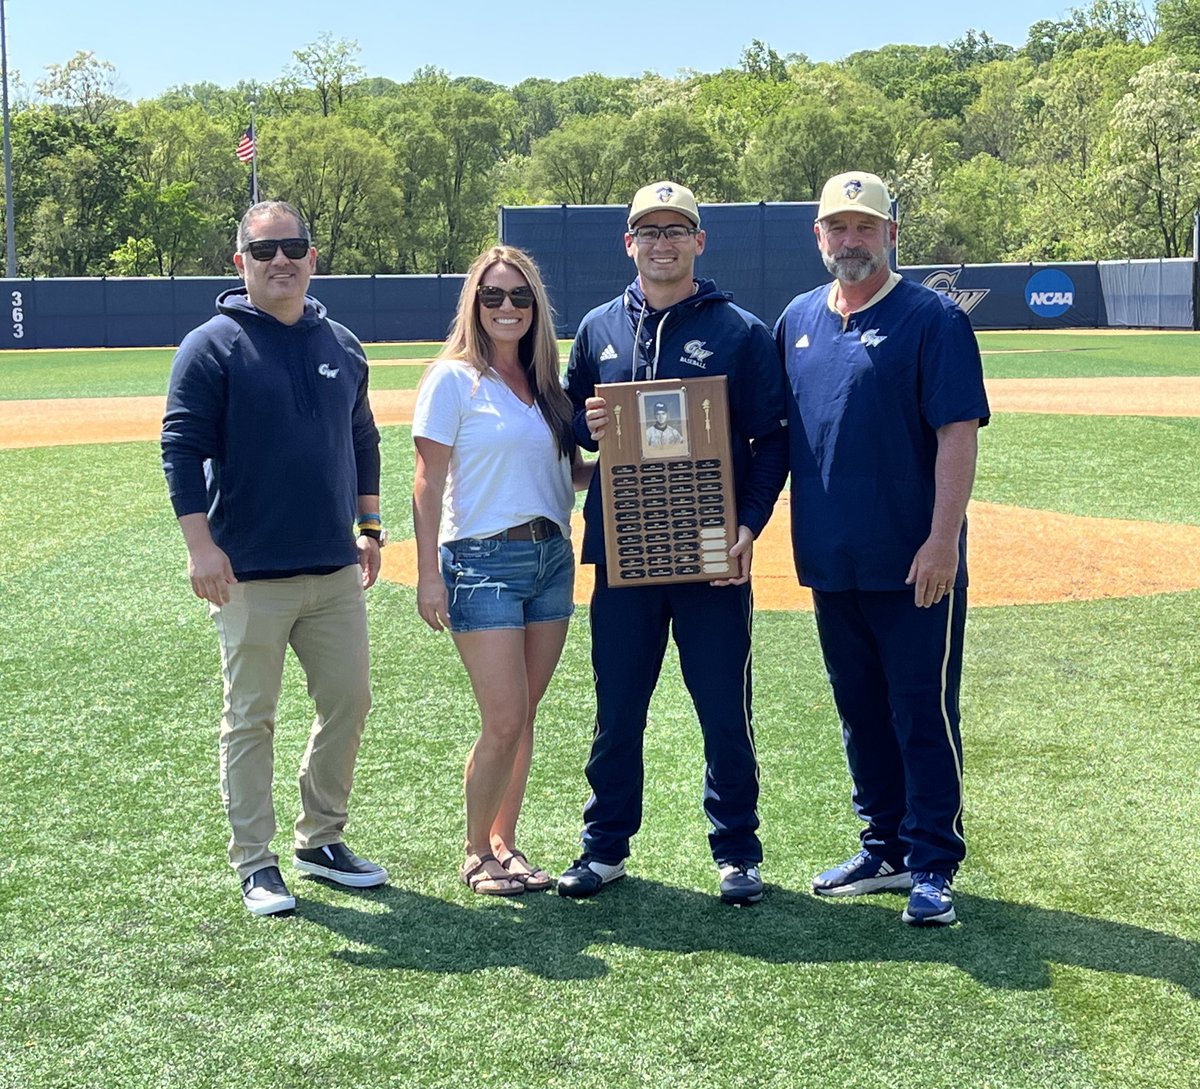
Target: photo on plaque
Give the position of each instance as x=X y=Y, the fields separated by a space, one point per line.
x=663 y=418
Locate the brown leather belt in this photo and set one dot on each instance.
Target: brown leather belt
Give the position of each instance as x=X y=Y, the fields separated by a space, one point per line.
x=540 y=529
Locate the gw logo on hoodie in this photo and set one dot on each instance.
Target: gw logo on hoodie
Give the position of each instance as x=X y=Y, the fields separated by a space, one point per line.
x=694 y=353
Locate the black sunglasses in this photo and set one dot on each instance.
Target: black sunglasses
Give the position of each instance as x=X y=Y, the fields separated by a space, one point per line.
x=493 y=297
x=263 y=249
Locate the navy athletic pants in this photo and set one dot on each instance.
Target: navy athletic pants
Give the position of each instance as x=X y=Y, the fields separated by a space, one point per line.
x=895 y=671
x=711 y=627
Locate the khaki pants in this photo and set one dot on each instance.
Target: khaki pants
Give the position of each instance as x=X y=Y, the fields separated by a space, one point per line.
x=324 y=619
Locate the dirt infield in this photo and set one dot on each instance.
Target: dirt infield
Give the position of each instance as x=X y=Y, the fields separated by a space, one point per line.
x=68 y=421
x=1018 y=556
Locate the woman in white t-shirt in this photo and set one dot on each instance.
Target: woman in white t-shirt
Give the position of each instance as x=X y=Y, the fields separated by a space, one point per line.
x=497 y=468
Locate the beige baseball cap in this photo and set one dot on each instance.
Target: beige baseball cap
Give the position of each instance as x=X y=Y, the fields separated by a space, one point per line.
x=855 y=192
x=664 y=196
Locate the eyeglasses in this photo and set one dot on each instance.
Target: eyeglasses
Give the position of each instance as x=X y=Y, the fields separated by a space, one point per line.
x=493 y=297
x=264 y=249
x=647 y=236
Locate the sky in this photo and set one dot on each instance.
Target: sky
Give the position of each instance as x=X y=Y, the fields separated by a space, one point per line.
x=157 y=45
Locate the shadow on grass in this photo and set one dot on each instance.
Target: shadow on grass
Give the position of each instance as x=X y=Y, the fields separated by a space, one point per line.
x=1000 y=944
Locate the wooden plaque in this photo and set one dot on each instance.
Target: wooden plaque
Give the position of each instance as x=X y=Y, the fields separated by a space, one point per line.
x=667 y=482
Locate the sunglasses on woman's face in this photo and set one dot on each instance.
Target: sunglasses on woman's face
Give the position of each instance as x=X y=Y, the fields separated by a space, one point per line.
x=493 y=297
x=264 y=249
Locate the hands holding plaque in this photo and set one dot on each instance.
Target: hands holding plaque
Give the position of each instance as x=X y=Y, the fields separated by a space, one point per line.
x=670 y=514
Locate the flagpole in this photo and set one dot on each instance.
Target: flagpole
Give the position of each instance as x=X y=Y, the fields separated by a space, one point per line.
x=9 y=226
x=254 y=161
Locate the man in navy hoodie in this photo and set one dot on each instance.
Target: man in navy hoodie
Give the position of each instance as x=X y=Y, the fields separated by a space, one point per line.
x=272 y=462
x=667 y=324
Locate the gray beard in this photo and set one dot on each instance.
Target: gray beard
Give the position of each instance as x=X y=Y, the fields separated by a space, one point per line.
x=854 y=266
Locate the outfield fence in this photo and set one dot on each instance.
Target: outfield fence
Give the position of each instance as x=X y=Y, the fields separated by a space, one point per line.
x=762 y=253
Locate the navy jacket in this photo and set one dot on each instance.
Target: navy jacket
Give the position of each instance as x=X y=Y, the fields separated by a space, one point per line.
x=268 y=430
x=703 y=336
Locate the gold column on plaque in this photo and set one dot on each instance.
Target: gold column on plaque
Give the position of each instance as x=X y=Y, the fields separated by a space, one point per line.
x=670 y=513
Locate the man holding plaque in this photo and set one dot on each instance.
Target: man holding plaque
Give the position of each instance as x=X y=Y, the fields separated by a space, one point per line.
x=668 y=324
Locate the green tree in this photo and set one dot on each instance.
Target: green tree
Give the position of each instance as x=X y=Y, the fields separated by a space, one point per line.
x=982 y=199
x=669 y=142
x=1179 y=26
x=467 y=150
x=760 y=61
x=405 y=236
x=997 y=121
x=1070 y=210
x=171 y=230
x=733 y=103
x=797 y=149
x=582 y=162
x=594 y=93
x=329 y=68
x=69 y=184
x=1104 y=22
x=187 y=188
x=1156 y=155
x=85 y=87
x=535 y=113
x=332 y=173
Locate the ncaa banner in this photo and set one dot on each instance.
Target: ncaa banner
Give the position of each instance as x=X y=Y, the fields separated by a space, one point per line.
x=1058 y=296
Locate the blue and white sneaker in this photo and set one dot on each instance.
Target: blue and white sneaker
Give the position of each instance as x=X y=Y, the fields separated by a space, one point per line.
x=931 y=902
x=865 y=872
x=587 y=876
x=741 y=883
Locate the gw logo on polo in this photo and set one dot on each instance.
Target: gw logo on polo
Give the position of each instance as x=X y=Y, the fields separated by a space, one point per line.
x=1050 y=293
x=694 y=353
x=328 y=371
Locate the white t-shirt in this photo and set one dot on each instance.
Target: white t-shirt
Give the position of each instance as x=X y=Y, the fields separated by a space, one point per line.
x=505 y=468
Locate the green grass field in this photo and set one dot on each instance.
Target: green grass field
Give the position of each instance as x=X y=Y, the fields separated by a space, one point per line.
x=143 y=371
x=127 y=960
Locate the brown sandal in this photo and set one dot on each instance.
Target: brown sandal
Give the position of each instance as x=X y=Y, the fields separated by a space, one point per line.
x=477 y=876
x=532 y=877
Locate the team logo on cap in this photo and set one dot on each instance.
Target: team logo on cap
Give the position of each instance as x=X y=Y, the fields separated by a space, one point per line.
x=852 y=189
x=665 y=192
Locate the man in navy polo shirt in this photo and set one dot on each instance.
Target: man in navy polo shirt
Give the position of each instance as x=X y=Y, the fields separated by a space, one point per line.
x=886 y=401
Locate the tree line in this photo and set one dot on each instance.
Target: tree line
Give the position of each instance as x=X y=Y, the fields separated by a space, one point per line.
x=1082 y=144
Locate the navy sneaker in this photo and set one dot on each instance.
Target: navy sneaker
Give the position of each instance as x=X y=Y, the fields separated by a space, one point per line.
x=740 y=883
x=931 y=903
x=336 y=862
x=587 y=876
x=865 y=872
x=264 y=893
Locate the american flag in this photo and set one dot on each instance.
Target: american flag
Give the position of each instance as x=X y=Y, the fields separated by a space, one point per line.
x=247 y=146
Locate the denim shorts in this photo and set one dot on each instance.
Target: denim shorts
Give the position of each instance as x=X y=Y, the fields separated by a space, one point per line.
x=508 y=584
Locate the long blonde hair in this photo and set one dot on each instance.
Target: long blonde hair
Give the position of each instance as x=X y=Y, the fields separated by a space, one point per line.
x=537 y=350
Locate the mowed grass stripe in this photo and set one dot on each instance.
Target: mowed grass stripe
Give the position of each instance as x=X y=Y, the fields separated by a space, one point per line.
x=26 y=375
